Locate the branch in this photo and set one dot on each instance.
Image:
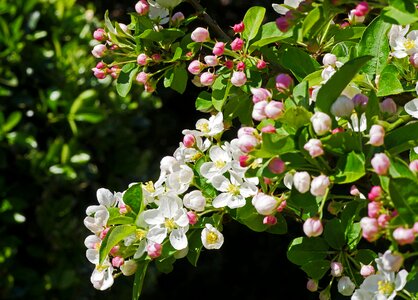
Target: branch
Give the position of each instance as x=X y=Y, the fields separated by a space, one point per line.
x=208 y=19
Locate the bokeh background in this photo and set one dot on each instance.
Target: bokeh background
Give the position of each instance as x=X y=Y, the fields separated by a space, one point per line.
x=63 y=135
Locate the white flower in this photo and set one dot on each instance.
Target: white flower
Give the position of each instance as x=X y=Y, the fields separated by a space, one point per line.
x=219 y=164
x=403 y=46
x=208 y=127
x=102 y=277
x=264 y=204
x=169 y=4
x=97 y=221
x=411 y=108
x=234 y=191
x=282 y=9
x=302 y=181
x=151 y=191
x=194 y=200
x=129 y=267
x=211 y=237
x=321 y=123
x=169 y=218
x=158 y=13
x=179 y=181
x=356 y=124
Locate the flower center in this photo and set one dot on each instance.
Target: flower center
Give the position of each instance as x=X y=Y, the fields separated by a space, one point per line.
x=169 y=224
x=211 y=238
x=409 y=44
x=204 y=127
x=149 y=186
x=196 y=156
x=140 y=234
x=233 y=189
x=385 y=287
x=219 y=164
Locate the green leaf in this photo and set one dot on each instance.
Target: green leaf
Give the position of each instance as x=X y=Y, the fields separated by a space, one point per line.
x=139 y=278
x=365 y=256
x=402 y=138
x=350 y=168
x=375 y=42
x=13 y=119
x=389 y=83
x=304 y=203
x=301 y=94
x=303 y=250
x=300 y=63
x=403 y=192
x=119 y=220
x=248 y=216
x=313 y=22
x=268 y=34
x=220 y=91
x=275 y=144
x=133 y=197
x=164 y=35
x=252 y=21
x=125 y=79
x=195 y=246
x=401 y=12
x=204 y=102
x=334 y=86
x=316 y=269
x=295 y=117
x=341 y=143
x=334 y=233
x=113 y=237
x=90 y=117
x=280 y=227
x=176 y=78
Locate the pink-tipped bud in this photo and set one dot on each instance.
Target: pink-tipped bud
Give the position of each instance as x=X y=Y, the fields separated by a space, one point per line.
x=123 y=209
x=336 y=269
x=274 y=109
x=142 y=78
x=142 y=7
x=219 y=48
x=383 y=220
x=367 y=270
x=99 y=50
x=241 y=66
x=207 y=78
x=114 y=251
x=354 y=191
x=283 y=82
x=211 y=60
x=373 y=209
x=314 y=147
x=142 y=59
x=342 y=107
x=370 y=228
x=99 y=73
x=321 y=123
x=261 y=64
x=237 y=44
x=103 y=233
x=238 y=78
x=154 y=250
x=415 y=227
x=267 y=180
x=192 y=216
x=268 y=129
x=276 y=166
x=100 y=34
x=312 y=285
x=229 y=64
x=244 y=161
x=337 y=130
x=260 y=94
x=189 y=140
x=247 y=143
x=375 y=193
x=319 y=185
x=117 y=261
x=258 y=112
x=404 y=236
x=156 y=57
x=115 y=71
x=312 y=227
x=282 y=24
x=281 y=206
x=269 y=220
x=388 y=106
x=413 y=166
x=302 y=181
x=377 y=135
x=329 y=59
x=246 y=130
x=361 y=9
x=177 y=18
x=380 y=163
x=200 y=35
x=195 y=67
x=239 y=27
x=264 y=204
x=101 y=65
x=413 y=60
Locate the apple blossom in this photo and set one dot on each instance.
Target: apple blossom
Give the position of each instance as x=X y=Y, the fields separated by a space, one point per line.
x=319 y=185
x=312 y=227
x=380 y=163
x=211 y=237
x=264 y=204
x=302 y=181
x=200 y=35
x=321 y=123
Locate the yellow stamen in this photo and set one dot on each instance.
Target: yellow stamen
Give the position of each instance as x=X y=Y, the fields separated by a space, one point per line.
x=196 y=156
x=203 y=127
x=219 y=164
x=169 y=224
x=211 y=238
x=233 y=189
x=385 y=287
x=409 y=44
x=149 y=186
x=140 y=234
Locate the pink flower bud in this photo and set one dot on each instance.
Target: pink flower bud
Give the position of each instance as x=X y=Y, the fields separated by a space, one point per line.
x=247 y=143
x=383 y=220
x=276 y=166
x=192 y=216
x=380 y=163
x=377 y=135
x=237 y=44
x=239 y=27
x=142 y=59
x=319 y=185
x=354 y=191
x=404 y=236
x=415 y=228
x=195 y=67
x=342 y=107
x=229 y=64
x=244 y=161
x=117 y=261
x=283 y=82
x=100 y=34
x=177 y=17
x=142 y=78
x=123 y=209
x=154 y=250
x=241 y=66
x=103 y=233
x=360 y=100
x=388 y=106
x=189 y=140
x=200 y=35
x=207 y=78
x=281 y=206
x=321 y=123
x=361 y=9
x=258 y=112
x=329 y=59
x=375 y=193
x=314 y=147
x=267 y=180
x=413 y=166
x=274 y=109
x=373 y=209
x=246 y=130
x=99 y=50
x=101 y=65
x=261 y=64
x=302 y=181
x=219 y=48
x=264 y=204
x=336 y=269
x=211 y=60
x=268 y=129
x=312 y=285
x=312 y=227
x=156 y=57
x=114 y=71
x=238 y=78
x=142 y=7
x=367 y=270
x=269 y=220
x=413 y=60
x=114 y=250
x=337 y=130
x=99 y=73
x=282 y=24
x=260 y=94
x=370 y=228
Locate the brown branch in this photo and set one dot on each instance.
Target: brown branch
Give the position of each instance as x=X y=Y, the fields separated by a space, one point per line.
x=208 y=19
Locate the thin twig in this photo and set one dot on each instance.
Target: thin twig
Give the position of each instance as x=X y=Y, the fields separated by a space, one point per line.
x=208 y=19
